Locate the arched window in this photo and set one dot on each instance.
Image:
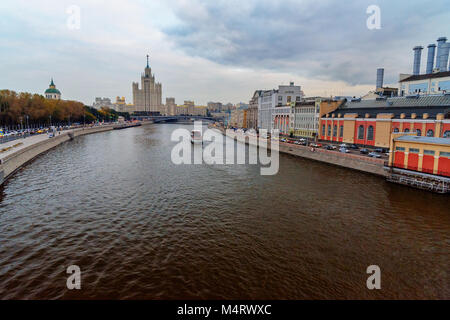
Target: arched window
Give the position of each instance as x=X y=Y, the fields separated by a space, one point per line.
x=361 y=132
x=329 y=130
x=419 y=132
x=406 y=130
x=430 y=133
x=447 y=134
x=370 y=133
x=395 y=130
x=341 y=132
x=335 y=131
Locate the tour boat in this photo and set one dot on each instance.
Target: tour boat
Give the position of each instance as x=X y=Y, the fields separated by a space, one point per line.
x=196 y=137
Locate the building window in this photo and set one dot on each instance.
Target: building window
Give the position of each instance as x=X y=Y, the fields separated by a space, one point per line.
x=406 y=130
x=419 y=132
x=428 y=152
x=280 y=98
x=323 y=130
x=395 y=130
x=329 y=130
x=444 y=154
x=370 y=133
x=288 y=99
x=430 y=133
x=413 y=150
x=341 y=131
x=399 y=149
x=335 y=131
x=447 y=134
x=361 y=132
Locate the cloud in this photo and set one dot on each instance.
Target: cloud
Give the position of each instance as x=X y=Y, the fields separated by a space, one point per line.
x=318 y=39
x=211 y=50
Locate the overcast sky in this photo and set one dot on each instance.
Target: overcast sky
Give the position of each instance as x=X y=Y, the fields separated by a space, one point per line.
x=212 y=50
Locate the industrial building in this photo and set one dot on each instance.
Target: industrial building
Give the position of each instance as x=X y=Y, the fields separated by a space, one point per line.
x=436 y=78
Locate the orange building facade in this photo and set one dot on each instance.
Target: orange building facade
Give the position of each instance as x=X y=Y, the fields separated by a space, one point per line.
x=372 y=124
x=429 y=155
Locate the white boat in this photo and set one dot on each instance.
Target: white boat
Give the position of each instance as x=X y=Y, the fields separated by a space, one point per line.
x=196 y=137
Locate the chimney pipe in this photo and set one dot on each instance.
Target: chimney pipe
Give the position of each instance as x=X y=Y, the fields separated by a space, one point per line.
x=380 y=76
x=417 y=56
x=440 y=42
x=430 y=60
x=444 y=57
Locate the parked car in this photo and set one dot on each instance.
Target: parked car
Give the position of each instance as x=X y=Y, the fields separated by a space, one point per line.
x=330 y=147
x=312 y=144
x=379 y=150
x=343 y=145
x=364 y=151
x=354 y=146
x=374 y=155
x=344 y=150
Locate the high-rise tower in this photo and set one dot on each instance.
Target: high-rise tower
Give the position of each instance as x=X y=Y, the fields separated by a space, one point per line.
x=149 y=97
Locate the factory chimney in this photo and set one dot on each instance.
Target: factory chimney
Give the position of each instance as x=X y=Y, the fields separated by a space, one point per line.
x=440 y=42
x=417 y=56
x=380 y=76
x=430 y=59
x=444 y=57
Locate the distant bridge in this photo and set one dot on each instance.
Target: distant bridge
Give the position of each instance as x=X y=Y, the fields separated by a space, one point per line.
x=169 y=119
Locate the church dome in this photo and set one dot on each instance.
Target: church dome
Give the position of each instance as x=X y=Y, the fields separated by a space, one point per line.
x=52 y=90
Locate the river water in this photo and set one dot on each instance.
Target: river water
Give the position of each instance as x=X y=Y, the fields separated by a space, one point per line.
x=142 y=227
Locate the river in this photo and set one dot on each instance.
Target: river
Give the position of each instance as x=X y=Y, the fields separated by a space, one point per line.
x=141 y=227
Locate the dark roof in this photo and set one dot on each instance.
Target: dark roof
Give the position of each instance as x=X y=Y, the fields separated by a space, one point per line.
x=433 y=140
x=427 y=76
x=397 y=111
x=305 y=103
x=418 y=101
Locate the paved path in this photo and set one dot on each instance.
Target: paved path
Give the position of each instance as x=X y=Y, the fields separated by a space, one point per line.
x=28 y=141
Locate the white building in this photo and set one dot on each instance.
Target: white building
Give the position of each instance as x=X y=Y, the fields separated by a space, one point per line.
x=272 y=103
x=433 y=83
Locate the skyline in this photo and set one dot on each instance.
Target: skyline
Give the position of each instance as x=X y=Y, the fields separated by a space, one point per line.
x=211 y=51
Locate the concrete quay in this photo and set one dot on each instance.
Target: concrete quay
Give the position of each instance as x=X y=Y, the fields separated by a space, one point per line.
x=350 y=161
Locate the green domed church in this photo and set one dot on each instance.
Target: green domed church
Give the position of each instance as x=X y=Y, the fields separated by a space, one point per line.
x=52 y=92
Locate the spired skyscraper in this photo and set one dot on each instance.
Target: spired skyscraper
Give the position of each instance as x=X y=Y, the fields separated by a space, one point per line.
x=149 y=97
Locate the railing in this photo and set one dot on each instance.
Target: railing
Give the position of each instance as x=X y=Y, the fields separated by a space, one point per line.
x=432 y=185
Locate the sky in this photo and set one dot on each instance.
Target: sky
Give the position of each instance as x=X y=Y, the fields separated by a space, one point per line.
x=211 y=50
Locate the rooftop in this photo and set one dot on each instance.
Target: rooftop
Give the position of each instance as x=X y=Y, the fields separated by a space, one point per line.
x=412 y=101
x=427 y=76
x=419 y=139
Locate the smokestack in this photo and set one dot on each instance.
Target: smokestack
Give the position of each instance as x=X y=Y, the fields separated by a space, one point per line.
x=430 y=59
x=444 y=57
x=380 y=76
x=440 y=42
x=417 y=56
